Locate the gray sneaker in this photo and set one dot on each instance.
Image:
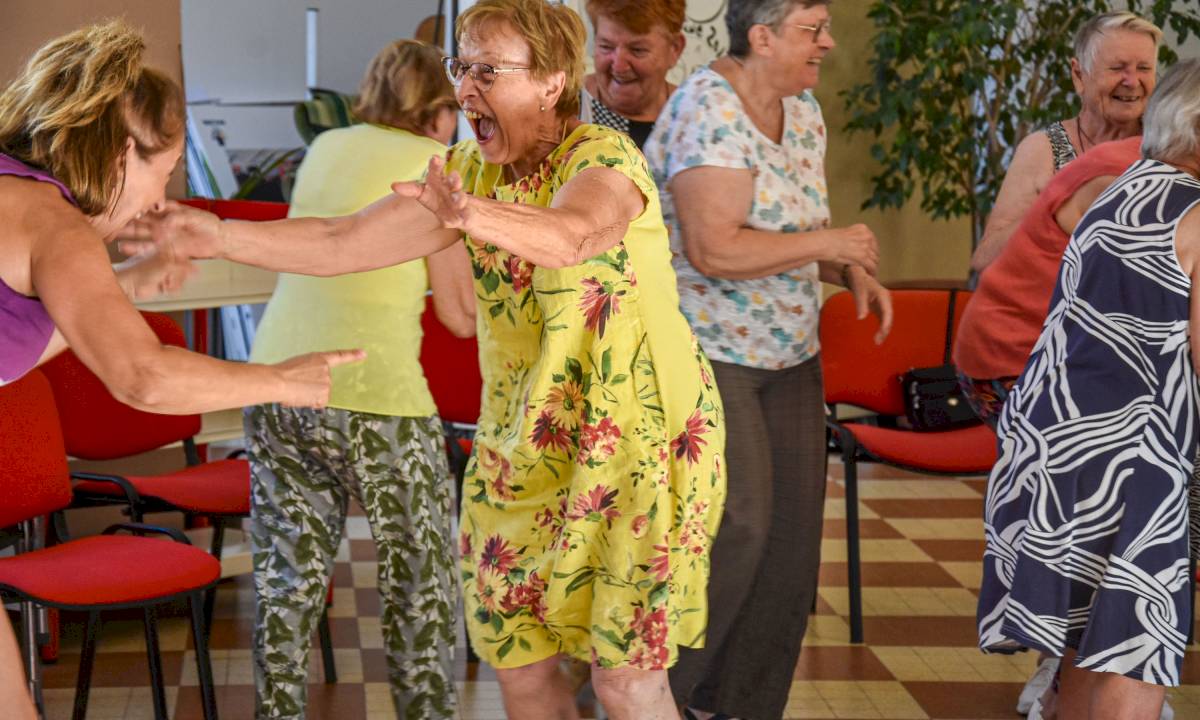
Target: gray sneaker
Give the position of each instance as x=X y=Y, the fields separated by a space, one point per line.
x=1036 y=686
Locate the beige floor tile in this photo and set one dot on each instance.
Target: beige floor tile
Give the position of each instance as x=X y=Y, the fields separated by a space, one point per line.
x=827 y=630
x=835 y=509
x=345 y=604
x=969 y=574
x=357 y=528
x=904 y=601
x=805 y=703
x=370 y=633
x=343 y=552
x=877 y=550
x=366 y=574
x=141 y=704
x=938 y=528
x=915 y=489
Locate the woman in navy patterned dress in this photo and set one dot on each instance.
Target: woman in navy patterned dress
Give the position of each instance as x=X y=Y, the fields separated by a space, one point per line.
x=1086 y=513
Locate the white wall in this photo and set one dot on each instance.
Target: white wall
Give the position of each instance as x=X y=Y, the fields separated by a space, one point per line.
x=253 y=51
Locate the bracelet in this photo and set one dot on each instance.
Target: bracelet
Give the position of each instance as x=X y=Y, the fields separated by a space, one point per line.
x=846 y=276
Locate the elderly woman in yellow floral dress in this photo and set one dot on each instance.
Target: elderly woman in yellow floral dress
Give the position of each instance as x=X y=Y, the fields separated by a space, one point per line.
x=597 y=481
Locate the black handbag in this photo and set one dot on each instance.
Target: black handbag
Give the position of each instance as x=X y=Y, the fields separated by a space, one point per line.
x=933 y=399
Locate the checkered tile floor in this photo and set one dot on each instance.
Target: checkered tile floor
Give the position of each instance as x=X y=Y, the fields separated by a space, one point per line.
x=921 y=549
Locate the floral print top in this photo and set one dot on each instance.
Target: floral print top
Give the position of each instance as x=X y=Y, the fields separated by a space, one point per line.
x=769 y=322
x=595 y=484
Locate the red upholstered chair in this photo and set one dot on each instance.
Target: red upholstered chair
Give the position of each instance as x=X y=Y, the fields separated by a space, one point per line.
x=92 y=574
x=451 y=366
x=860 y=373
x=97 y=426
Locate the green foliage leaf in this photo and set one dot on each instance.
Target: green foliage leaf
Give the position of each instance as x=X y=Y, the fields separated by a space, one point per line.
x=956 y=84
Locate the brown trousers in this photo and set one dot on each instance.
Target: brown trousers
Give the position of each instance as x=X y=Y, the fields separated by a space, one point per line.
x=767 y=554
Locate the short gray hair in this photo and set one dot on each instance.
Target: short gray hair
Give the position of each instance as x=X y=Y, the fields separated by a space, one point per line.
x=1087 y=39
x=741 y=15
x=1171 y=124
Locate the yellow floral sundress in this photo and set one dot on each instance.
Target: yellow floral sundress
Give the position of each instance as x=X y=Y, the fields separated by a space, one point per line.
x=596 y=483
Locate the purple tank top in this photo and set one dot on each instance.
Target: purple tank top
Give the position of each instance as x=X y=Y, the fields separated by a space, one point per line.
x=25 y=326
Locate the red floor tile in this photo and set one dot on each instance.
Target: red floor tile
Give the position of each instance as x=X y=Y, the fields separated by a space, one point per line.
x=854 y=662
x=966 y=701
x=921 y=631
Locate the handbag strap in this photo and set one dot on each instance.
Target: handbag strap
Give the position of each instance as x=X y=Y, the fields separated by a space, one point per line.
x=949 y=327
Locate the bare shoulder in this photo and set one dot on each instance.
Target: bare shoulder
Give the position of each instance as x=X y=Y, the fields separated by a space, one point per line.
x=34 y=215
x=1033 y=161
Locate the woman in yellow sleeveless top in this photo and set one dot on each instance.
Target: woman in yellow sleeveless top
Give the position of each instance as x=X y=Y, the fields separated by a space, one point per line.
x=597 y=480
x=379 y=441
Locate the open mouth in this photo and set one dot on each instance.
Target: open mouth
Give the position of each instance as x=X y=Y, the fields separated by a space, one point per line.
x=1127 y=98
x=483 y=125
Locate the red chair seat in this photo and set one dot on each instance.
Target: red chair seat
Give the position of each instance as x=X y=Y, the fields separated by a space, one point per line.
x=968 y=451
x=108 y=570
x=221 y=487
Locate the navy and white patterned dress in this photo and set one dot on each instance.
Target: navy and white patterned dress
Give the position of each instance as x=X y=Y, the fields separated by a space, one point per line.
x=1086 y=511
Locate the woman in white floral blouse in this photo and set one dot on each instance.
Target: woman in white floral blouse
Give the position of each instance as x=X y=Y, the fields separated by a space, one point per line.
x=738 y=155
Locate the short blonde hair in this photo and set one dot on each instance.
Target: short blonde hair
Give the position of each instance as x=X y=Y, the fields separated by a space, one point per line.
x=78 y=100
x=554 y=33
x=405 y=87
x=1087 y=39
x=640 y=16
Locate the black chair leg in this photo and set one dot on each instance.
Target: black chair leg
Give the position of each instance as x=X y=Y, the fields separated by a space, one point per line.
x=208 y=696
x=327 y=659
x=210 y=597
x=853 y=565
x=87 y=658
x=154 y=659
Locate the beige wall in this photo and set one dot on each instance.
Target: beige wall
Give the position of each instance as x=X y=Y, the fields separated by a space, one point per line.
x=912 y=245
x=28 y=24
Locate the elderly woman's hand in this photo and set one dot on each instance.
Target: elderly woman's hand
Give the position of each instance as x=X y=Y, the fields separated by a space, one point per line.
x=855 y=245
x=871 y=296
x=440 y=193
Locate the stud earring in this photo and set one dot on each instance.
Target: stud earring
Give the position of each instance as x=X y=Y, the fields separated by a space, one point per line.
x=542 y=108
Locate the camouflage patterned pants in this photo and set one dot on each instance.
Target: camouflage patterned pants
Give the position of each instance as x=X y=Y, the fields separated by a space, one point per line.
x=306 y=465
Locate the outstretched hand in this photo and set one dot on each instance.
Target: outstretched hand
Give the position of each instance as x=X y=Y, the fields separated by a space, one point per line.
x=152 y=274
x=441 y=193
x=307 y=378
x=178 y=231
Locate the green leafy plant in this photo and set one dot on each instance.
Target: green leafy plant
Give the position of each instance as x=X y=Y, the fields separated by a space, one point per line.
x=955 y=84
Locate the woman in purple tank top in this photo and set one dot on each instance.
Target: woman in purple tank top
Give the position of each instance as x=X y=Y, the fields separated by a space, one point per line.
x=78 y=162
x=88 y=138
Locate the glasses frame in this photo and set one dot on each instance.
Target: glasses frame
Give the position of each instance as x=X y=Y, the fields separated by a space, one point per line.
x=825 y=26
x=476 y=69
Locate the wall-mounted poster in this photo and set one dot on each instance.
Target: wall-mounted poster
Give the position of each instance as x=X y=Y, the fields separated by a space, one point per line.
x=707 y=37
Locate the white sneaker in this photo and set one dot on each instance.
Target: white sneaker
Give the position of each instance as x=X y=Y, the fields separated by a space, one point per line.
x=1035 y=711
x=1042 y=677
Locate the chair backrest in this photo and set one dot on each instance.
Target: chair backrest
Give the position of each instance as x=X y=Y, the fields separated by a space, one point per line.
x=451 y=366
x=240 y=209
x=33 y=462
x=97 y=426
x=859 y=372
x=327 y=110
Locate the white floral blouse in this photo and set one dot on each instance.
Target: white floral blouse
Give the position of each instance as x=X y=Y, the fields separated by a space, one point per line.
x=769 y=322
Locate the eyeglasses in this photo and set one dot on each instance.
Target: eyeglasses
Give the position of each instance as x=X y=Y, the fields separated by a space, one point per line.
x=825 y=25
x=482 y=74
